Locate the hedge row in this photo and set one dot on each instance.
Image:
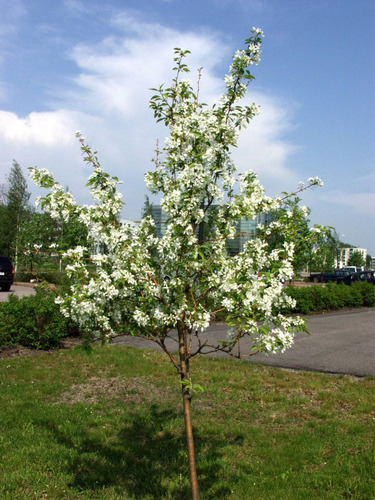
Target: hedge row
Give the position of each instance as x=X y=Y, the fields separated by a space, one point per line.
x=332 y=297
x=34 y=321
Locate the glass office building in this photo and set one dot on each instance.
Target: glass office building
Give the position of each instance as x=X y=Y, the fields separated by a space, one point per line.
x=245 y=229
x=160 y=219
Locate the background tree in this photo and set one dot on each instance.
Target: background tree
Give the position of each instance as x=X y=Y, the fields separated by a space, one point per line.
x=128 y=295
x=36 y=238
x=43 y=239
x=17 y=211
x=69 y=234
x=368 y=261
x=356 y=259
x=323 y=254
x=4 y=243
x=307 y=240
x=147 y=207
x=3 y=194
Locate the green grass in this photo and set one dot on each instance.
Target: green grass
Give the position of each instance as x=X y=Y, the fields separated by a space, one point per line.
x=110 y=426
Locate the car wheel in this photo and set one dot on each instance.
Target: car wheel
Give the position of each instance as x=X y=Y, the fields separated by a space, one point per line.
x=5 y=288
x=316 y=279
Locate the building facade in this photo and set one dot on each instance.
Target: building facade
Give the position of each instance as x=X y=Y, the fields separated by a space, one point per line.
x=344 y=254
x=245 y=229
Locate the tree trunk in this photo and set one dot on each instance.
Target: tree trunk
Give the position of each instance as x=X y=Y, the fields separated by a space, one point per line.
x=16 y=257
x=186 y=398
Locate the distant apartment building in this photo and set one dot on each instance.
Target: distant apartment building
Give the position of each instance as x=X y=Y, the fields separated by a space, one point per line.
x=344 y=254
x=245 y=229
x=128 y=223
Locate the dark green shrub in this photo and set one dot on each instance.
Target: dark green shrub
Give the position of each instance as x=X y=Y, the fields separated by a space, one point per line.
x=23 y=277
x=367 y=291
x=34 y=321
x=331 y=297
x=322 y=298
x=304 y=304
x=54 y=277
x=349 y=296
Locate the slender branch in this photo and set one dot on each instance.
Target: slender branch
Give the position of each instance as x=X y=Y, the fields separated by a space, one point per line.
x=170 y=356
x=217 y=311
x=300 y=190
x=198 y=86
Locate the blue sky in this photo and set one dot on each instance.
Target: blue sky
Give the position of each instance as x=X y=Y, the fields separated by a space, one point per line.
x=88 y=65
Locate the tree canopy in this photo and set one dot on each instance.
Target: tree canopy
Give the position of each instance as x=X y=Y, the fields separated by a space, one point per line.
x=356 y=259
x=15 y=211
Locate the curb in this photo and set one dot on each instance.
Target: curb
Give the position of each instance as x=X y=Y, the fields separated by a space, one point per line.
x=19 y=283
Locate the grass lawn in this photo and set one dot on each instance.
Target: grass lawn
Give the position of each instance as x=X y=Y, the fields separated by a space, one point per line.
x=110 y=426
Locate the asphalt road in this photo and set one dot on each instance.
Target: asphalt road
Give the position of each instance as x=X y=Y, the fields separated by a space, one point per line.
x=19 y=290
x=339 y=342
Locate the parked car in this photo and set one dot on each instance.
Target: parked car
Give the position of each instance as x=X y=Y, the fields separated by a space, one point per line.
x=260 y=274
x=326 y=277
x=368 y=276
x=354 y=269
x=6 y=274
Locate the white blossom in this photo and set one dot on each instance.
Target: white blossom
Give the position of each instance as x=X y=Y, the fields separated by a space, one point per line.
x=315 y=181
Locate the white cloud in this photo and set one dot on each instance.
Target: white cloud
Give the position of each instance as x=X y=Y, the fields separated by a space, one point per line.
x=262 y=146
x=108 y=102
x=48 y=129
x=117 y=73
x=47 y=140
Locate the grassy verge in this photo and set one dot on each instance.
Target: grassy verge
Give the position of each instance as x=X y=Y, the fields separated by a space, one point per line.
x=110 y=426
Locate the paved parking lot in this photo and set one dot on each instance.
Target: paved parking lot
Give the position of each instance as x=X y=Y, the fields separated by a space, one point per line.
x=339 y=342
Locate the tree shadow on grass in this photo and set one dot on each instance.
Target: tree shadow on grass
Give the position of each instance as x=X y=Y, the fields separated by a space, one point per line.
x=144 y=460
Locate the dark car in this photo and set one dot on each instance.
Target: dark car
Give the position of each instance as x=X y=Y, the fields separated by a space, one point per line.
x=6 y=274
x=368 y=276
x=336 y=275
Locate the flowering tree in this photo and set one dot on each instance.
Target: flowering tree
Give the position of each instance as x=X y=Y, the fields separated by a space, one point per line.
x=128 y=294
x=310 y=243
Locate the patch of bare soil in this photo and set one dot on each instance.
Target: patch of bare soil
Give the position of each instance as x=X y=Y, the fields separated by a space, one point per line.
x=19 y=350
x=136 y=389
